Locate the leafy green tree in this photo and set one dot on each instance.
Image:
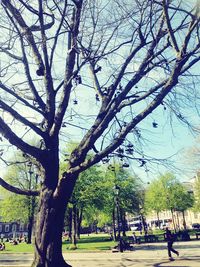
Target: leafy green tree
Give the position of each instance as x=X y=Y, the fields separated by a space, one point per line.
x=94 y=195
x=154 y=198
x=87 y=198
x=167 y=193
x=128 y=198
x=19 y=207
x=197 y=193
x=184 y=200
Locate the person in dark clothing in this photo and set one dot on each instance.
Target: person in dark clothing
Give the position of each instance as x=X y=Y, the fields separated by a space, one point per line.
x=170 y=240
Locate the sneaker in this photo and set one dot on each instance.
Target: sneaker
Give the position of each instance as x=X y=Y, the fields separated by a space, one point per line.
x=171 y=259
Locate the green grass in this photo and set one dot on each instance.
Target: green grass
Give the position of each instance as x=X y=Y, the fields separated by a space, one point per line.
x=93 y=242
x=20 y=248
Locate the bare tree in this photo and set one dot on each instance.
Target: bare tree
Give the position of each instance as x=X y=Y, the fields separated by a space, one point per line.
x=131 y=57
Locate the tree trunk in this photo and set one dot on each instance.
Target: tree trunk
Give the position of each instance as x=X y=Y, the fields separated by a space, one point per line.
x=184 y=222
x=49 y=225
x=144 y=224
x=114 y=228
x=118 y=218
x=158 y=218
x=32 y=206
x=30 y=227
x=178 y=222
x=70 y=223
x=123 y=222
x=173 y=220
x=80 y=217
x=74 y=225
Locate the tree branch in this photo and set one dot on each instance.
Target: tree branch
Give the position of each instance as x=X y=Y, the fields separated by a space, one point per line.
x=169 y=27
x=18 y=191
x=20 y=118
x=26 y=31
x=18 y=97
x=6 y=131
x=69 y=69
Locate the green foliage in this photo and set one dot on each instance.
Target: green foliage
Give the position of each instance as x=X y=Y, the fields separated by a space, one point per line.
x=197 y=193
x=129 y=193
x=167 y=193
x=17 y=207
x=13 y=208
x=94 y=194
x=89 y=194
x=129 y=196
x=154 y=198
x=88 y=190
x=182 y=200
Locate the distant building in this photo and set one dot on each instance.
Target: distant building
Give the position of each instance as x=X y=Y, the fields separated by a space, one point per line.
x=12 y=229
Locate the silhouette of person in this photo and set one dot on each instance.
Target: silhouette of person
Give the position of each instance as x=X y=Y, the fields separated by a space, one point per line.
x=170 y=240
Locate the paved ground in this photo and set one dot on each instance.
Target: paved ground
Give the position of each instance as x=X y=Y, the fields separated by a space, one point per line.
x=154 y=255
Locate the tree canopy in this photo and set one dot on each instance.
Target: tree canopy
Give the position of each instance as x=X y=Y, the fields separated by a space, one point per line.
x=167 y=193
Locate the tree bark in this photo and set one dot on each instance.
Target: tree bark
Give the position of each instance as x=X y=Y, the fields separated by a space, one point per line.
x=80 y=217
x=178 y=222
x=123 y=222
x=114 y=228
x=184 y=222
x=158 y=218
x=49 y=226
x=32 y=206
x=70 y=224
x=74 y=225
x=173 y=220
x=144 y=224
x=30 y=227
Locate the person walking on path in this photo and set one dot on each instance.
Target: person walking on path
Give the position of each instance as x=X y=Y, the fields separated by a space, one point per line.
x=170 y=240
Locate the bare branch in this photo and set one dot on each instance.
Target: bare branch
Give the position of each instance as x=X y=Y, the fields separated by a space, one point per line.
x=69 y=70
x=169 y=27
x=6 y=131
x=18 y=97
x=18 y=191
x=26 y=31
x=19 y=117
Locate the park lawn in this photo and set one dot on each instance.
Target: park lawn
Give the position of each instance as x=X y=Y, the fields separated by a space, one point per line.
x=20 y=248
x=93 y=242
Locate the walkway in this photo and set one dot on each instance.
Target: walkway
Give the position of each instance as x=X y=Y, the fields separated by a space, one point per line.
x=144 y=255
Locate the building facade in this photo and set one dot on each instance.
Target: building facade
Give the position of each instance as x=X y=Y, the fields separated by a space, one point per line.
x=13 y=230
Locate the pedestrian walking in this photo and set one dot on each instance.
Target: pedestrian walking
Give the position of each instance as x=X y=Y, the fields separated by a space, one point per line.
x=170 y=240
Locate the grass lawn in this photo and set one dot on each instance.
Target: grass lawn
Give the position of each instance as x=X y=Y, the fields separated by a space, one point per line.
x=93 y=242
x=20 y=248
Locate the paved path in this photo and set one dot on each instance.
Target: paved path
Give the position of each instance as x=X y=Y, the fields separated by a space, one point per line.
x=154 y=255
